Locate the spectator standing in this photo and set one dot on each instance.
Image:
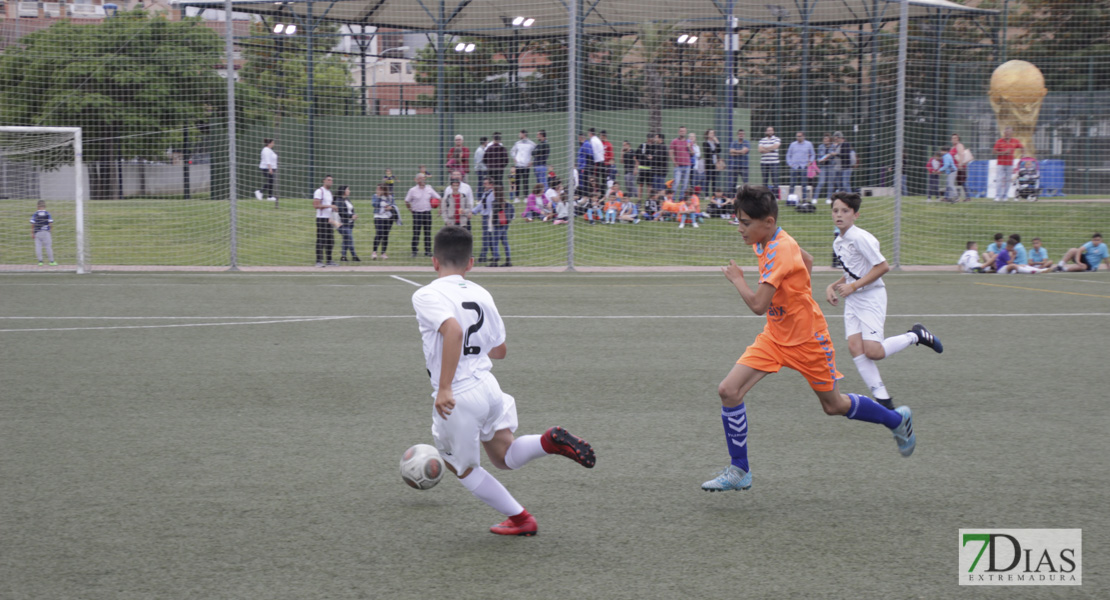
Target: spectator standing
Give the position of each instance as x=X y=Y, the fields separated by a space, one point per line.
x=932 y=176
x=737 y=163
x=388 y=180
x=540 y=157
x=385 y=214
x=628 y=166
x=697 y=164
x=962 y=157
x=269 y=167
x=598 y=171
x=496 y=159
x=824 y=168
x=522 y=160
x=322 y=201
x=769 y=160
x=645 y=163
x=584 y=159
x=347 y=218
x=798 y=157
x=679 y=154
x=610 y=157
x=480 y=168
x=711 y=151
x=458 y=202
x=458 y=158
x=1004 y=150
x=419 y=202
x=951 y=172
x=502 y=216
x=483 y=209
x=846 y=156
x=41 y=222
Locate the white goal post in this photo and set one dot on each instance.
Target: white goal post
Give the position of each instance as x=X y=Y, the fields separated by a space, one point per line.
x=27 y=151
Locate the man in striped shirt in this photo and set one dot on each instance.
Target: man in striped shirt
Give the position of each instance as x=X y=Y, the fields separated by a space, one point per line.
x=769 y=159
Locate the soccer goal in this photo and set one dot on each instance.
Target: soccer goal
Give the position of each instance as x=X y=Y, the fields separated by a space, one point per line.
x=42 y=164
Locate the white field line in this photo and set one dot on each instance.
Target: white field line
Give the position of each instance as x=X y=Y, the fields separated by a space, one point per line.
x=274 y=320
x=406 y=280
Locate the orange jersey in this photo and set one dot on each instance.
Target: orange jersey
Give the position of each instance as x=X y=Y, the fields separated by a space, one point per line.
x=695 y=204
x=613 y=205
x=793 y=317
x=672 y=206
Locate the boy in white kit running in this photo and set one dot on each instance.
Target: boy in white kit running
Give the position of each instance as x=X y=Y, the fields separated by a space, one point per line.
x=864 y=295
x=462 y=330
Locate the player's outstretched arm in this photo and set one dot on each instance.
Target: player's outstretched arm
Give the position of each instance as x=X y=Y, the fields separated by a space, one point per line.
x=498 y=352
x=807 y=258
x=830 y=292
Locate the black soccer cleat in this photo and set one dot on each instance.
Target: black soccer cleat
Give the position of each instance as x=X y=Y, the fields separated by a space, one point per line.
x=887 y=403
x=926 y=338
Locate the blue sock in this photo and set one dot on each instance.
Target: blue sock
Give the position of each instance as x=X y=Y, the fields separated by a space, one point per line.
x=735 y=420
x=866 y=409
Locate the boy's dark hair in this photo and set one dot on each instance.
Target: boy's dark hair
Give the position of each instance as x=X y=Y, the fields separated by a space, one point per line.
x=497 y=136
x=1013 y=239
x=483 y=140
x=1016 y=237
x=970 y=244
x=542 y=132
x=852 y=199
x=1036 y=239
x=757 y=201
x=266 y=141
x=998 y=236
x=1096 y=235
x=453 y=246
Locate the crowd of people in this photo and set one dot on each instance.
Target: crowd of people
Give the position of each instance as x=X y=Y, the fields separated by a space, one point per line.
x=1008 y=255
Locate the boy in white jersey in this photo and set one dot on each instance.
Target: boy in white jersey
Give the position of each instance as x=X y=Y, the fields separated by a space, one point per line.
x=462 y=330
x=864 y=295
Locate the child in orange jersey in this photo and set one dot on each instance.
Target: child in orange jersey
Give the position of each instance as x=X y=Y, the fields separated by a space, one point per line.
x=796 y=336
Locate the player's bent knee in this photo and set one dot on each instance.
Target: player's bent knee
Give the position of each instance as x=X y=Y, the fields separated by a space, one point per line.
x=874 y=353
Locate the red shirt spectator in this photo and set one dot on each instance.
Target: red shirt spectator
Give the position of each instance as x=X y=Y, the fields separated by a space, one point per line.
x=680 y=147
x=1005 y=148
x=460 y=155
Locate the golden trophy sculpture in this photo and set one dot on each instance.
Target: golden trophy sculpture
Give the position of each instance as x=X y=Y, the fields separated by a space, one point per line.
x=1017 y=91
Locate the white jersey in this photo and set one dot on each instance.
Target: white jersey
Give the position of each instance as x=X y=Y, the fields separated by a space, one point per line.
x=858 y=250
x=969 y=260
x=269 y=159
x=325 y=198
x=483 y=330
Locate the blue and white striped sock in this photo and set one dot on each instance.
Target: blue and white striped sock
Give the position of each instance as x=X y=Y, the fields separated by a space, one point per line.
x=735 y=420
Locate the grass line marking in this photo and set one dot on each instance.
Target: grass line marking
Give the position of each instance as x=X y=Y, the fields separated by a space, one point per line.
x=1029 y=289
x=281 y=321
x=406 y=280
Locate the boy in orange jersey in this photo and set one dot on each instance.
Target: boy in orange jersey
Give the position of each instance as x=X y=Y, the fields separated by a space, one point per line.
x=795 y=336
x=671 y=207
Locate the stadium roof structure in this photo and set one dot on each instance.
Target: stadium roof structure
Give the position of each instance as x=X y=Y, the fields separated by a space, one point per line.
x=490 y=18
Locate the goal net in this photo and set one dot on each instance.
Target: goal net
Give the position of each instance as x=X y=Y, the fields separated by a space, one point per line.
x=42 y=199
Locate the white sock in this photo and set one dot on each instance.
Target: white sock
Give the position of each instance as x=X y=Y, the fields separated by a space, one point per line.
x=870 y=373
x=523 y=450
x=488 y=489
x=898 y=343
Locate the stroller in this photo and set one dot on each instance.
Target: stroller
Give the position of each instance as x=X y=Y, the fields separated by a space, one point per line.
x=1028 y=178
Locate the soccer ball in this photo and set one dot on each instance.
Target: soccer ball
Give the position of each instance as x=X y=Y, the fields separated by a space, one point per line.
x=421 y=466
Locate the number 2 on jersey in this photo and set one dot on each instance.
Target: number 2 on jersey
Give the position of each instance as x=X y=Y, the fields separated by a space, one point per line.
x=467 y=348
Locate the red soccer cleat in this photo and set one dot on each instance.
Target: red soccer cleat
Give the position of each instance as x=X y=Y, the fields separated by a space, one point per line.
x=523 y=524
x=560 y=441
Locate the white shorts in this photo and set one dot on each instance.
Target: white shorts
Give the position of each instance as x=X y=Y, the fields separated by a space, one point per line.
x=865 y=313
x=479 y=412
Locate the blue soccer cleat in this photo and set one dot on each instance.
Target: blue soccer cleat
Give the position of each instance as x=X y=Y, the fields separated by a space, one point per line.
x=731 y=478
x=926 y=338
x=903 y=434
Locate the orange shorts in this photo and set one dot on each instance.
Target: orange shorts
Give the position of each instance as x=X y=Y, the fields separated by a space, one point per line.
x=815 y=360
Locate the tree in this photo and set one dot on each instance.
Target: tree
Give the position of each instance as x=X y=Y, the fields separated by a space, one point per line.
x=276 y=69
x=1069 y=41
x=134 y=84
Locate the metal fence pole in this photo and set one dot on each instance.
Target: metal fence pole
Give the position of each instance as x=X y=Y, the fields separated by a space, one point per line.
x=900 y=129
x=232 y=163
